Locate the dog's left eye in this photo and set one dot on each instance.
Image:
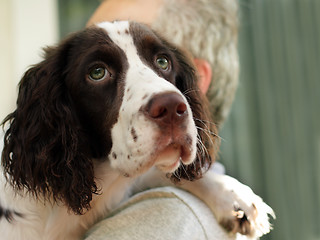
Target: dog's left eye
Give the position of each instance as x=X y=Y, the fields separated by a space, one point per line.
x=163 y=63
x=98 y=73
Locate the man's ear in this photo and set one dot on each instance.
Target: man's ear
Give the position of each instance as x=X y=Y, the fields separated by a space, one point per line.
x=205 y=73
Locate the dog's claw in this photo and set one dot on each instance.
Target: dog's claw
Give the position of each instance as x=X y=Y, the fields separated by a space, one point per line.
x=253 y=222
x=238 y=224
x=239 y=210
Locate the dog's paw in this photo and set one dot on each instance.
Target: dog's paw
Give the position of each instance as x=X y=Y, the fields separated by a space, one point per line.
x=239 y=210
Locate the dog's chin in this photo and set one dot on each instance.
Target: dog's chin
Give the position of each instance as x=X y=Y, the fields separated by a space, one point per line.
x=171 y=157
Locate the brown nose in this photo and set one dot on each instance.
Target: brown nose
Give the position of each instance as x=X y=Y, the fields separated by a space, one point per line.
x=167 y=109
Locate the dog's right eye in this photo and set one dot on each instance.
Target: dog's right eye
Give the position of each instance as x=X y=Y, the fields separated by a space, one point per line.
x=98 y=73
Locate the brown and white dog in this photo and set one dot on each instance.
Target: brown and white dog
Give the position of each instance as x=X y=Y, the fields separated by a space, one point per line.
x=110 y=104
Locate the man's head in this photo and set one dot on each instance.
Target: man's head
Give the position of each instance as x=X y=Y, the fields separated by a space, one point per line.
x=207 y=29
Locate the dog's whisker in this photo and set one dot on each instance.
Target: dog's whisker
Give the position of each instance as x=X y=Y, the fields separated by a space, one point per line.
x=204 y=151
x=182 y=166
x=200 y=162
x=204 y=121
x=190 y=91
x=202 y=145
x=201 y=152
x=208 y=133
x=209 y=137
x=177 y=174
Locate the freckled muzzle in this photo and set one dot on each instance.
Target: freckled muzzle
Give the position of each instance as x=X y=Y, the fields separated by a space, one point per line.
x=170 y=113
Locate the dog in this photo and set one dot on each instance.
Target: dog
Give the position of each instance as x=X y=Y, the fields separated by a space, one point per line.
x=110 y=106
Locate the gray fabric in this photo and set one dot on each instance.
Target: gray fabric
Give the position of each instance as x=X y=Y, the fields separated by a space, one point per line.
x=164 y=213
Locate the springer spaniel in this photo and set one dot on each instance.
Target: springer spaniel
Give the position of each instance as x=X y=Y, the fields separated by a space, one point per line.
x=110 y=104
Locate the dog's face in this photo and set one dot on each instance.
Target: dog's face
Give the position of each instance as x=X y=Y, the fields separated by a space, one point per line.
x=154 y=125
x=114 y=92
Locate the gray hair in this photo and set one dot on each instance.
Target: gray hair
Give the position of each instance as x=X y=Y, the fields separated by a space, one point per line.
x=208 y=29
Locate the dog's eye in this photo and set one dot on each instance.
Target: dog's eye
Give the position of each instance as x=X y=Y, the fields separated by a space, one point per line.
x=163 y=63
x=98 y=73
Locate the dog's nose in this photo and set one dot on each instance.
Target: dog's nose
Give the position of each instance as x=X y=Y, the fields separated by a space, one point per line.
x=167 y=108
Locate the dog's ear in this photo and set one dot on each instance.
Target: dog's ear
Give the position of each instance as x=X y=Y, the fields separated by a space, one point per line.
x=208 y=141
x=44 y=150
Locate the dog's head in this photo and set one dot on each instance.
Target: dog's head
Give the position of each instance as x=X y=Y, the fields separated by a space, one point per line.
x=114 y=92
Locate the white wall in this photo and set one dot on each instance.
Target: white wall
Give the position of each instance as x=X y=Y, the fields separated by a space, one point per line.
x=26 y=26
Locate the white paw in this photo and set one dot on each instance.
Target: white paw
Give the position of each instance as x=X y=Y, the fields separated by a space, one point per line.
x=239 y=210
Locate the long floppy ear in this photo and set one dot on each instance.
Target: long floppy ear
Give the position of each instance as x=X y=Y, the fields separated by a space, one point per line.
x=208 y=141
x=44 y=150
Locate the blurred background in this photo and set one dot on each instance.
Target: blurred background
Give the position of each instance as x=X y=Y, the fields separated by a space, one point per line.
x=271 y=140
